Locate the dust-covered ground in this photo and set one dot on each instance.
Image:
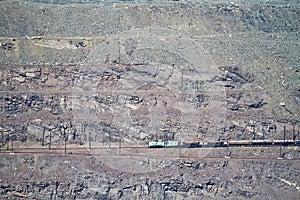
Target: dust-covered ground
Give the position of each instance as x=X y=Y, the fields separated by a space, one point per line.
x=94 y=76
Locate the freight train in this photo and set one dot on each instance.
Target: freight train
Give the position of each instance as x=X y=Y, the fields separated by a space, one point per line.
x=231 y=143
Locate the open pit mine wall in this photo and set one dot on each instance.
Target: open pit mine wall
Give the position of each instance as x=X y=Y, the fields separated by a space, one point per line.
x=139 y=72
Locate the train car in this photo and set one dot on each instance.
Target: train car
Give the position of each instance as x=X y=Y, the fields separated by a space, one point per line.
x=171 y=143
x=213 y=144
x=287 y=142
x=203 y=144
x=156 y=144
x=160 y=144
x=221 y=144
x=190 y=145
x=262 y=142
x=239 y=142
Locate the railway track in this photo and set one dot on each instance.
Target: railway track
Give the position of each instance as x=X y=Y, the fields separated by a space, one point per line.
x=128 y=152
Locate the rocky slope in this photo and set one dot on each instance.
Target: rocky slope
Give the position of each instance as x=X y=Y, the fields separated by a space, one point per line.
x=92 y=73
x=95 y=178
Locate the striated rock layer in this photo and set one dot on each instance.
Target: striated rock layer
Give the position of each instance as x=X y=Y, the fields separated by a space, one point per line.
x=92 y=77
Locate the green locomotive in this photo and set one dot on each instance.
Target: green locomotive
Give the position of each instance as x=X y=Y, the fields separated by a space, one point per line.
x=160 y=144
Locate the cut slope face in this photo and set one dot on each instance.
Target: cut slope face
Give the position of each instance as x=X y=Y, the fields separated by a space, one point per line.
x=208 y=63
x=99 y=75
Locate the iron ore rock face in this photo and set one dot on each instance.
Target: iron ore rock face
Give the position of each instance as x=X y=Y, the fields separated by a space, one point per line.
x=85 y=85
